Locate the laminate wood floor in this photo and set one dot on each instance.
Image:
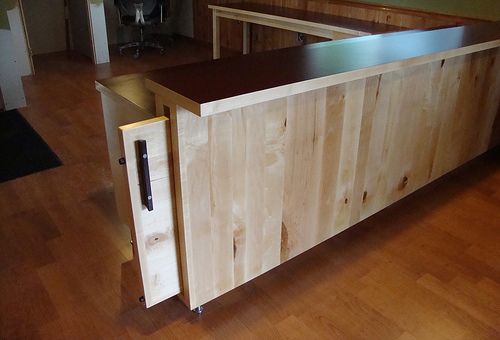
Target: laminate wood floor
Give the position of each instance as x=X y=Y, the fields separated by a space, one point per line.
x=426 y=268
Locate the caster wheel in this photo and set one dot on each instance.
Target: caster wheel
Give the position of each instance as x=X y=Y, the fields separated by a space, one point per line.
x=162 y=51
x=137 y=55
x=142 y=300
x=198 y=310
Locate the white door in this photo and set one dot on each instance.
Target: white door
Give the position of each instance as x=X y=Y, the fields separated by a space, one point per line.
x=22 y=50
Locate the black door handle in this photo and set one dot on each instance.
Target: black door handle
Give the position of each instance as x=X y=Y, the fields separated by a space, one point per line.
x=144 y=179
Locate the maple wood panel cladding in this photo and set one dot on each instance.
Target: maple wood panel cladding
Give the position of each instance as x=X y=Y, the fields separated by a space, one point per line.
x=265 y=38
x=355 y=148
x=266 y=182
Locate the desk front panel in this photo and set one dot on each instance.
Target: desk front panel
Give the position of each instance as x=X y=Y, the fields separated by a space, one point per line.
x=259 y=185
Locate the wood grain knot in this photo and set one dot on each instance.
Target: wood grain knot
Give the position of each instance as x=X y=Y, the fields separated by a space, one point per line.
x=285 y=247
x=155 y=240
x=364 y=196
x=346 y=201
x=404 y=182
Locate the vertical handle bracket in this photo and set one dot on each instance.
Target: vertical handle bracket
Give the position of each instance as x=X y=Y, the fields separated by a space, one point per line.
x=144 y=178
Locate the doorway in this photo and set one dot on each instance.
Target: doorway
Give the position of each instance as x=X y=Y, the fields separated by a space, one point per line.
x=46 y=26
x=63 y=25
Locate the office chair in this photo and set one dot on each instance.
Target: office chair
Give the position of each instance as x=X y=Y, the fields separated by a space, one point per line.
x=139 y=14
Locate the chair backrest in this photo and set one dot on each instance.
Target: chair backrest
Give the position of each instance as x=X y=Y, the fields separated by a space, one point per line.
x=126 y=7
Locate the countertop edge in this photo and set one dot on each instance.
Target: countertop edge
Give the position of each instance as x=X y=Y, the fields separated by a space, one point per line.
x=236 y=102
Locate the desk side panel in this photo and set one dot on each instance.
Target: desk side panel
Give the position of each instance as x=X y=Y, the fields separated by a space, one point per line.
x=154 y=232
x=118 y=112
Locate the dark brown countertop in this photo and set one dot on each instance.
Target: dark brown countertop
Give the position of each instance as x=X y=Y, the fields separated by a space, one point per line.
x=316 y=17
x=203 y=84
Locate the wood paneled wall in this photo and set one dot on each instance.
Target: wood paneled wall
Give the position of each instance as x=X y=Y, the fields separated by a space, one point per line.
x=269 y=181
x=265 y=38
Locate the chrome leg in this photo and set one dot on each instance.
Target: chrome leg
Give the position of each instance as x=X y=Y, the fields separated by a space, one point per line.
x=198 y=310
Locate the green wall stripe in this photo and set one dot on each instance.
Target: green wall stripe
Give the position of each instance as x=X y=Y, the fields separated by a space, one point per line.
x=482 y=9
x=6 y=5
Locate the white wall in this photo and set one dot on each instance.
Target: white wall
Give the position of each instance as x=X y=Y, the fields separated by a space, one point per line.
x=45 y=21
x=20 y=43
x=98 y=31
x=10 y=77
x=11 y=87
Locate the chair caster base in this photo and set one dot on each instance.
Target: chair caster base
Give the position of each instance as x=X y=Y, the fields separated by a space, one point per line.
x=140 y=46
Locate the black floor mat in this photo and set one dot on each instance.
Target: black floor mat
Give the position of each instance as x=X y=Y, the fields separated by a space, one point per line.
x=22 y=150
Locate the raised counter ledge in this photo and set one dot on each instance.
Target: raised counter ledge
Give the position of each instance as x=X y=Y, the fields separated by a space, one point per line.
x=216 y=86
x=344 y=24
x=130 y=89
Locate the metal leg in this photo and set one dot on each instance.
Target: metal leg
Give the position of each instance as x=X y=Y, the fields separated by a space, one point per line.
x=246 y=37
x=216 y=35
x=198 y=310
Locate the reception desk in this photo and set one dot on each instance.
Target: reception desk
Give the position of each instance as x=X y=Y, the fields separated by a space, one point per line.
x=253 y=160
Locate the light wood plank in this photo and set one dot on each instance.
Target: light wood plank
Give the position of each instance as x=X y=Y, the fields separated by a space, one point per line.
x=230 y=185
x=154 y=233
